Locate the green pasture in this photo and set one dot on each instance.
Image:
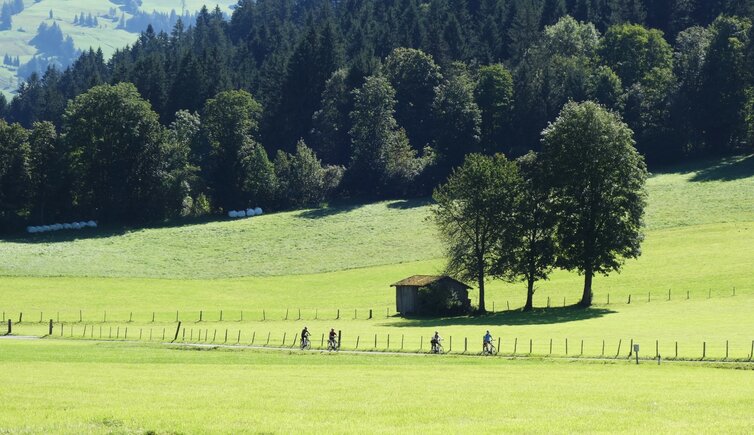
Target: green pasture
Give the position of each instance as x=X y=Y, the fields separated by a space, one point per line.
x=64 y=387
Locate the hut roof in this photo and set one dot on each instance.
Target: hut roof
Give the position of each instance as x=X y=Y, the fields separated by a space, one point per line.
x=425 y=280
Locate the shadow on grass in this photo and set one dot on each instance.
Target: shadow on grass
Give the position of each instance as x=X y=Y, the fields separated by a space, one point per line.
x=103 y=232
x=538 y=316
x=729 y=169
x=408 y=204
x=331 y=210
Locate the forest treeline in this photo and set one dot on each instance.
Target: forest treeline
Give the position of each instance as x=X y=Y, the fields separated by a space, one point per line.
x=375 y=98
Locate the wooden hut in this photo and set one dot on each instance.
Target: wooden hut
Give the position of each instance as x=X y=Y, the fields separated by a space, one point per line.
x=407 y=299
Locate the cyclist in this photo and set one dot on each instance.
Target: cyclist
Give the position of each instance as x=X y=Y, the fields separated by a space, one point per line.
x=305 y=337
x=333 y=339
x=487 y=343
x=435 y=342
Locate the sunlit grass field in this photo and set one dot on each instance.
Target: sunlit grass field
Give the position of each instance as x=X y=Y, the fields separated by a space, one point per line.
x=64 y=387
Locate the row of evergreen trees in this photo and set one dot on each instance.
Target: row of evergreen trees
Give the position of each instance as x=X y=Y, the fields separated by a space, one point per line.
x=399 y=92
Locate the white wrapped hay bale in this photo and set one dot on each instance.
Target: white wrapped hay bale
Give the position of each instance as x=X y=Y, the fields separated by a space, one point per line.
x=76 y=226
x=31 y=230
x=232 y=214
x=258 y=211
x=46 y=228
x=250 y=212
x=57 y=227
x=67 y=226
x=241 y=213
x=83 y=225
x=91 y=224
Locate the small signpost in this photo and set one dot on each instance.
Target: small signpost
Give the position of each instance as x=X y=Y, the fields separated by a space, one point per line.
x=636 y=352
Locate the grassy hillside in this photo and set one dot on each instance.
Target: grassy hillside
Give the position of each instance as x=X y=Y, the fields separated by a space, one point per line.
x=16 y=41
x=693 y=213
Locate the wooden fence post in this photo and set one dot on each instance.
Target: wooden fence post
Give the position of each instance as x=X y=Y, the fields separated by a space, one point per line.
x=631 y=348
x=668 y=294
x=657 y=348
x=726 y=349
x=131 y=317
x=264 y=315
x=226 y=335
x=508 y=304
x=688 y=295
x=201 y=315
x=619 y=343
x=152 y=316
x=548 y=302
x=221 y=315
x=421 y=343
x=50 y=330
x=284 y=338
x=566 y=346
x=214 y=336
x=176 y=331
x=649 y=297
x=358 y=337
x=550 y=347
x=286 y=314
x=531 y=345
x=20 y=317
x=375 y=341
x=704 y=349
x=388 y=342
x=10 y=327
x=337 y=317
x=402 y=342
x=465 y=344
x=608 y=298
x=629 y=298
x=268 y=339
x=450 y=348
x=676 y=350
x=582 y=348
x=751 y=354
x=498 y=344
x=299 y=314
x=81 y=316
x=603 y=348
x=515 y=346
x=294 y=340
x=183 y=335
x=370 y=314
x=238 y=339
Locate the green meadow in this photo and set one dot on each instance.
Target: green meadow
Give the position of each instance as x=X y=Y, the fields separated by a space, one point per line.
x=85 y=387
x=107 y=36
x=114 y=292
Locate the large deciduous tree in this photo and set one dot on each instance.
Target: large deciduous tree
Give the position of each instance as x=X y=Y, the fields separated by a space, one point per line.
x=237 y=169
x=415 y=77
x=494 y=96
x=598 y=181
x=475 y=213
x=117 y=149
x=15 y=179
x=382 y=161
x=534 y=250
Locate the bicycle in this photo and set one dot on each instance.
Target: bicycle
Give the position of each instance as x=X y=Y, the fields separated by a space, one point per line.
x=437 y=348
x=306 y=344
x=332 y=346
x=489 y=349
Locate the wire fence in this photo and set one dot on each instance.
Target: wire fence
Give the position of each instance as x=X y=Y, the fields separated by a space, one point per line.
x=616 y=348
x=311 y=314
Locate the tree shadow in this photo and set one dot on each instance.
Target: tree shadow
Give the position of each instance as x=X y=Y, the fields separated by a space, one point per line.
x=330 y=210
x=408 y=204
x=538 y=316
x=728 y=169
x=102 y=232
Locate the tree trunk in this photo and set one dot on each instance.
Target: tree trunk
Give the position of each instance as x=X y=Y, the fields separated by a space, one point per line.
x=586 y=298
x=529 y=295
x=482 y=308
